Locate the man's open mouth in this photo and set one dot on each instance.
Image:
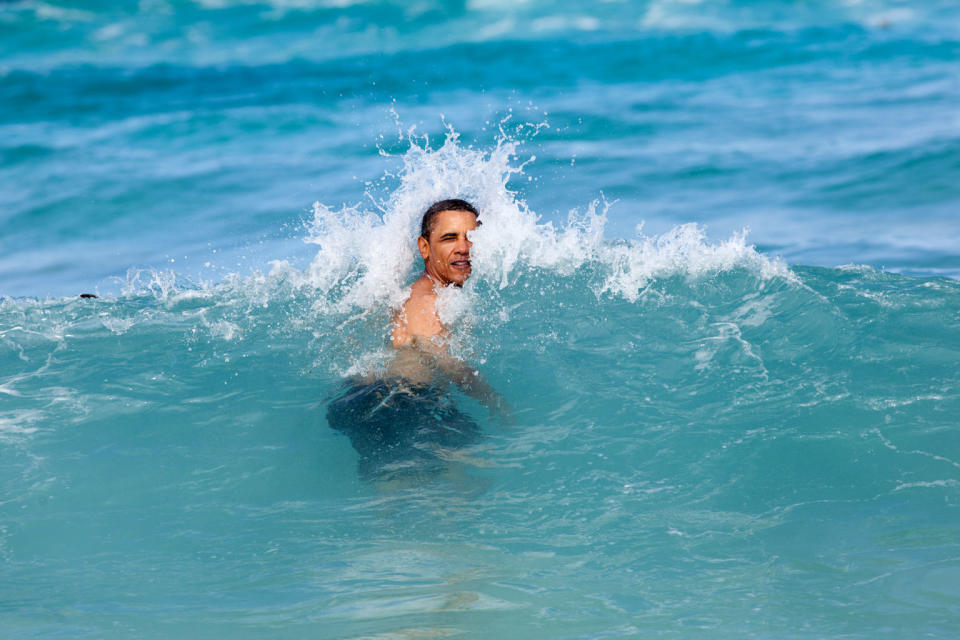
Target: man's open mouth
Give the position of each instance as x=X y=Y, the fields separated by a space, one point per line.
x=460 y=264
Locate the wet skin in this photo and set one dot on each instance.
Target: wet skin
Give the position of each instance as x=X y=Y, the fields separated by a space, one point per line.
x=446 y=253
x=420 y=338
x=446 y=261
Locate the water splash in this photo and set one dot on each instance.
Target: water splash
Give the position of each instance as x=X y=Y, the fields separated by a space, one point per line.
x=342 y=302
x=367 y=257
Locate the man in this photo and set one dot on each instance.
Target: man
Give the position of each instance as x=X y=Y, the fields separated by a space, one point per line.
x=401 y=424
x=445 y=248
x=419 y=336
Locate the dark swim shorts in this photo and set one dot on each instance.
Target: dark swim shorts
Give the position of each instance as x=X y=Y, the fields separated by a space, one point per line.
x=398 y=428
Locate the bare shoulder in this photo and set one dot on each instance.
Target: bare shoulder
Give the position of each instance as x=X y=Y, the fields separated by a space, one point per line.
x=418 y=317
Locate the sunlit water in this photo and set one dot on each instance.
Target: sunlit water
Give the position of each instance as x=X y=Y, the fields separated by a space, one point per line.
x=713 y=434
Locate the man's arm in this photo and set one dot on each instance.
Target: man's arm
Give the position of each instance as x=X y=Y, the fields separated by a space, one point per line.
x=418 y=326
x=468 y=379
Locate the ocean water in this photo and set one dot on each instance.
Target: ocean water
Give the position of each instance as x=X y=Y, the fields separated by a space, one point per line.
x=716 y=282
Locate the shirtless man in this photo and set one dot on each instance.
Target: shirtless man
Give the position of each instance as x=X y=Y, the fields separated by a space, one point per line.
x=445 y=248
x=418 y=334
x=400 y=424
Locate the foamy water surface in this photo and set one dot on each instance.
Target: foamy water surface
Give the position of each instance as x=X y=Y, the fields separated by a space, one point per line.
x=715 y=282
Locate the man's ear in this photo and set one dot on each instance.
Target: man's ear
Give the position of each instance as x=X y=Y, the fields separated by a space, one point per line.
x=424 y=247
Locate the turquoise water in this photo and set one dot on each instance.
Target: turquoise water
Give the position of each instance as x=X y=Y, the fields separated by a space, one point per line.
x=716 y=433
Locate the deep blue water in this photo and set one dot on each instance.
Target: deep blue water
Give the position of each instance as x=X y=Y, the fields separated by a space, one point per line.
x=716 y=281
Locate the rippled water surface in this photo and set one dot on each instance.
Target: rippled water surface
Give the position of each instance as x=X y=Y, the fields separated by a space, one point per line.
x=714 y=432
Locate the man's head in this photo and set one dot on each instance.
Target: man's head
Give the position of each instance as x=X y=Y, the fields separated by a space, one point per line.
x=443 y=240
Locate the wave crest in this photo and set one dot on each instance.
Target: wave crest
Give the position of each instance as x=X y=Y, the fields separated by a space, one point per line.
x=366 y=257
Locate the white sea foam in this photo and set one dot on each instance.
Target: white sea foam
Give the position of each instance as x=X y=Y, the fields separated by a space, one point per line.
x=367 y=255
x=46 y=11
x=116 y=325
x=150 y=282
x=366 y=258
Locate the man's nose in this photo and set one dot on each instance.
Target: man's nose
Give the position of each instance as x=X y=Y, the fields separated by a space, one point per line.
x=463 y=245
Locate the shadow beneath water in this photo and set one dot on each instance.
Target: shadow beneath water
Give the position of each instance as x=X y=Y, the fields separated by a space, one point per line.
x=401 y=432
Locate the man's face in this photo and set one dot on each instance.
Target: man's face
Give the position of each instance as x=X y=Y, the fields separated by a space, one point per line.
x=446 y=254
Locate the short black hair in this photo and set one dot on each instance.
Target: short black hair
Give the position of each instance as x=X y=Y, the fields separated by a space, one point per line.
x=426 y=224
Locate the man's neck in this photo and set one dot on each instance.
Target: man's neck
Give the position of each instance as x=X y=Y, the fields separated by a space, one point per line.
x=436 y=283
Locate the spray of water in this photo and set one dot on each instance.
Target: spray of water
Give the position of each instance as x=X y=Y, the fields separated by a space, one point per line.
x=365 y=257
